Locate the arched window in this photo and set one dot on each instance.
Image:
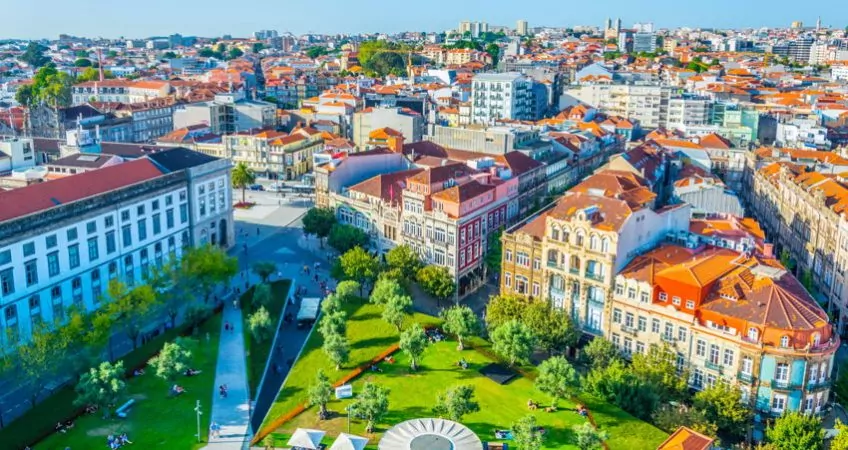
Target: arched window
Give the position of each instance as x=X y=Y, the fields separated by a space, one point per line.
x=578 y=239
x=753 y=334
x=553 y=255
x=574 y=264
x=593 y=242
x=565 y=235
x=605 y=245
x=555 y=233
x=784 y=341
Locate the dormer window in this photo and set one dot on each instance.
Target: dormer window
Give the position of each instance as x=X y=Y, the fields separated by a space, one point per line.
x=753 y=334
x=784 y=341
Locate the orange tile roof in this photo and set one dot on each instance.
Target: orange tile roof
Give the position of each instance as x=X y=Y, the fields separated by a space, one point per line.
x=686 y=439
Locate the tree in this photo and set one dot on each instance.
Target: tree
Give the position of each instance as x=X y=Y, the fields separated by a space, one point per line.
x=320 y=393
x=92 y=74
x=670 y=417
x=347 y=290
x=174 y=359
x=315 y=51
x=337 y=349
x=384 y=289
x=456 y=402
x=357 y=265
x=553 y=327
x=513 y=341
x=371 y=404
x=261 y=295
x=319 y=222
x=461 y=322
x=331 y=304
x=396 y=309
x=242 y=177
x=264 y=269
x=587 y=437
x=257 y=47
x=82 y=62
x=169 y=55
x=404 y=260
x=436 y=281
x=502 y=309
x=840 y=441
x=840 y=386
x=34 y=55
x=722 y=405
x=659 y=366
x=601 y=353
x=260 y=324
x=494 y=50
x=49 y=86
x=101 y=386
x=557 y=378
x=235 y=53
x=617 y=384
x=344 y=237
x=25 y=95
x=526 y=434
x=796 y=431
x=41 y=358
x=131 y=309
x=334 y=322
x=413 y=342
x=494 y=253
x=206 y=267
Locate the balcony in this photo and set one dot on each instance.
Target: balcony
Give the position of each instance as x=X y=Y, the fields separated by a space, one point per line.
x=594 y=276
x=818 y=385
x=783 y=384
x=714 y=366
x=745 y=377
x=574 y=271
x=629 y=330
x=553 y=265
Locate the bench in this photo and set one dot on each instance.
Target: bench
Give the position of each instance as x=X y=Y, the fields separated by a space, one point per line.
x=124 y=409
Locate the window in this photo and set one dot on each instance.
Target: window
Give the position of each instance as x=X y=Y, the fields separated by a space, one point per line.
x=728 y=357
x=109 y=221
x=681 y=334
x=655 y=325
x=50 y=241
x=169 y=200
x=690 y=304
x=701 y=348
x=72 y=234
x=140 y=210
x=823 y=372
x=669 y=331
x=781 y=373
x=784 y=341
x=7 y=282
x=640 y=347
x=698 y=379
x=126 y=237
x=508 y=279
x=113 y=270
x=778 y=403
x=522 y=259
x=31 y=271
x=202 y=207
x=628 y=346
x=536 y=289
x=91 y=227
x=714 y=353
x=76 y=292
x=73 y=256
x=53 y=264
x=643 y=323
x=747 y=365
x=5 y=257
x=663 y=297
x=157 y=224
x=110 y=242
x=93 y=251
x=753 y=334
x=29 y=249
x=169 y=218
x=155 y=205
x=675 y=300
x=616 y=340
x=619 y=289
x=616 y=315
x=183 y=213
x=631 y=293
x=643 y=297
x=628 y=320
x=508 y=255
x=142 y=230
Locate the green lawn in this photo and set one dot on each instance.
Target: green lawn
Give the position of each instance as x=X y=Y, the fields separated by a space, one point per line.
x=257 y=353
x=157 y=420
x=369 y=335
x=413 y=394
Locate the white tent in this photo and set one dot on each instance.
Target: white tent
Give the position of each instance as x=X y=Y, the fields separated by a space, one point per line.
x=306 y=438
x=349 y=442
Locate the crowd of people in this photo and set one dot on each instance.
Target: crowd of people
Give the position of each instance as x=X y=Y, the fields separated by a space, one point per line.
x=118 y=441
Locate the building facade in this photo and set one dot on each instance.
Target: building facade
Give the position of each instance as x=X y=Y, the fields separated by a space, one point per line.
x=501 y=96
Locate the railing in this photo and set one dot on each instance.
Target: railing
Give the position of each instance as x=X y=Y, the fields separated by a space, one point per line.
x=594 y=276
x=574 y=271
x=714 y=366
x=818 y=385
x=553 y=264
x=783 y=384
x=628 y=330
x=745 y=377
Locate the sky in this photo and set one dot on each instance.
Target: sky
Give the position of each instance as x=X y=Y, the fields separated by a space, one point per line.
x=34 y=19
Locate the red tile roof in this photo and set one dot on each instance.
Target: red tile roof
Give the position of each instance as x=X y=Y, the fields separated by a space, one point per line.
x=43 y=196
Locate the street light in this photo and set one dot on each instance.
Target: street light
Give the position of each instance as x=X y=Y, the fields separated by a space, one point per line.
x=199 y=413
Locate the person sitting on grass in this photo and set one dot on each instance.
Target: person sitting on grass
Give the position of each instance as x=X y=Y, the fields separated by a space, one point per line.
x=138 y=372
x=191 y=372
x=177 y=390
x=124 y=439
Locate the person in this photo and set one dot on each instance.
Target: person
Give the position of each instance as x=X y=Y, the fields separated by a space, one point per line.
x=227 y=326
x=235 y=303
x=138 y=372
x=125 y=439
x=177 y=389
x=214 y=429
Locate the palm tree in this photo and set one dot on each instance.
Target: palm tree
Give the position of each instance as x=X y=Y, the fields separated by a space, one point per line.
x=243 y=177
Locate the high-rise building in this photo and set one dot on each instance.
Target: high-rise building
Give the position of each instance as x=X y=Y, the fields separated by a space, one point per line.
x=644 y=41
x=464 y=26
x=501 y=96
x=522 y=28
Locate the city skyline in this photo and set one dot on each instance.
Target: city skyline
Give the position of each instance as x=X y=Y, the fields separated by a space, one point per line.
x=99 y=18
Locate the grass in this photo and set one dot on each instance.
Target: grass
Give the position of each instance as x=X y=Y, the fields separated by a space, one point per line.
x=368 y=334
x=156 y=420
x=257 y=352
x=414 y=393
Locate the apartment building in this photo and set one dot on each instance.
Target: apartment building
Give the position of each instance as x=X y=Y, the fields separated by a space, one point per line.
x=570 y=252
x=803 y=213
x=731 y=316
x=409 y=123
x=501 y=96
x=227 y=113
x=646 y=103
x=101 y=91
x=62 y=241
x=688 y=111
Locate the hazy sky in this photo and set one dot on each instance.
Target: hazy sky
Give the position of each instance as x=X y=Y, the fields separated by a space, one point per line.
x=133 y=18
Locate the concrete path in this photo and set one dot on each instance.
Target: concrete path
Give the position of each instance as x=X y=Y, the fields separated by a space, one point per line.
x=231 y=413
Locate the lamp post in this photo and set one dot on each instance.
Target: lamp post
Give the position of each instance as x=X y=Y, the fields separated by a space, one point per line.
x=199 y=413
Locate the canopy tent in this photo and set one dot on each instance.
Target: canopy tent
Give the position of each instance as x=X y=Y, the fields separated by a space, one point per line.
x=349 y=442
x=306 y=438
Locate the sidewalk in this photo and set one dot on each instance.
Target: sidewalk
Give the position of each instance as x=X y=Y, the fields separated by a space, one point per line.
x=232 y=412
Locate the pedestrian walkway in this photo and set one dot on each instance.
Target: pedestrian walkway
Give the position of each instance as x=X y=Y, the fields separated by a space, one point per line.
x=231 y=413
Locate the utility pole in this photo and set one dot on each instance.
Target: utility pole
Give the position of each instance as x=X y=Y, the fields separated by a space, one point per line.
x=199 y=413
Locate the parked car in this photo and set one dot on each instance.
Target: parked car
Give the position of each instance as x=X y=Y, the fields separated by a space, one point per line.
x=256 y=187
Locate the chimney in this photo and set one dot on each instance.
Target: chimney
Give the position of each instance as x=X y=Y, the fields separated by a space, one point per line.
x=768 y=250
x=396 y=143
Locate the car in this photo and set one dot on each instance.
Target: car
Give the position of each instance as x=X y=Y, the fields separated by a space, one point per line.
x=256 y=187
